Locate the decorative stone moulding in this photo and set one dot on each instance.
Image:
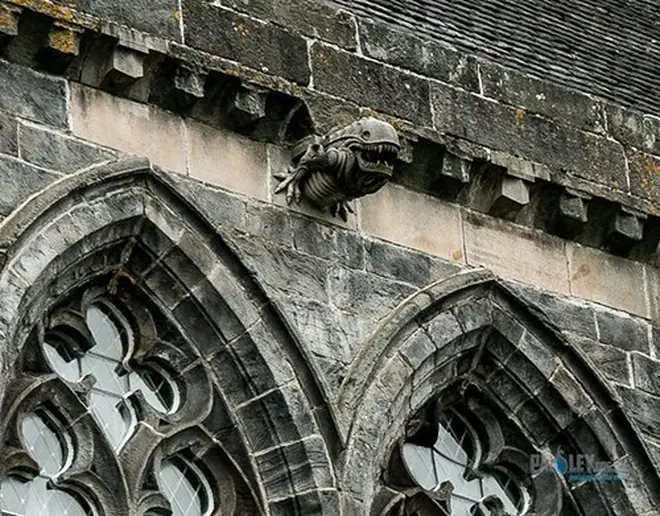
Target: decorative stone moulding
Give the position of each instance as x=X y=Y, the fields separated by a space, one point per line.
x=343 y=165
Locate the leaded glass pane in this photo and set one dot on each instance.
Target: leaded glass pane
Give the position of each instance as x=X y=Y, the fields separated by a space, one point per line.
x=184 y=488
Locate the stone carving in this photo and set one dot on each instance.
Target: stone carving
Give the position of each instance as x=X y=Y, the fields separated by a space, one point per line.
x=341 y=166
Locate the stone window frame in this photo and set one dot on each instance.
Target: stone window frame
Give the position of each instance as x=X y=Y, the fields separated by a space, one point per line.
x=137 y=224
x=470 y=329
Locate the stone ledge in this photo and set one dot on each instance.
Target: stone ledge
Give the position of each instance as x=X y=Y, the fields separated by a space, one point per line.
x=278 y=60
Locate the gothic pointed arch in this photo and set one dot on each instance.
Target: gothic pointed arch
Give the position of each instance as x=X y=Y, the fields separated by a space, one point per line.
x=462 y=365
x=118 y=243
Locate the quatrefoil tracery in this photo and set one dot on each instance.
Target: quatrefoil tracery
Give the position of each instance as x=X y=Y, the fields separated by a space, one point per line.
x=112 y=395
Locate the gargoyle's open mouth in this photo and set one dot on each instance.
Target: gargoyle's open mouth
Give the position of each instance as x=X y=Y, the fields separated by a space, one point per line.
x=377 y=158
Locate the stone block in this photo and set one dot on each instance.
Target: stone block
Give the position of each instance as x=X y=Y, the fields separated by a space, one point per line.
x=529 y=136
x=442 y=329
x=160 y=17
x=220 y=209
x=415 y=220
x=312 y=237
x=607 y=279
x=356 y=290
x=652 y=280
x=19 y=181
x=314 y=19
x=417 y=348
x=8 y=135
x=646 y=373
x=398 y=263
x=303 y=464
x=227 y=160
x=281 y=416
x=622 y=331
x=643 y=409
x=349 y=250
x=256 y=44
x=514 y=252
x=566 y=314
x=633 y=128
x=46 y=102
x=129 y=127
x=645 y=176
x=58 y=152
x=371 y=84
x=543 y=97
x=406 y=50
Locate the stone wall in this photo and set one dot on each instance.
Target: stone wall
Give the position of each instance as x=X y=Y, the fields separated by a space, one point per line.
x=578 y=252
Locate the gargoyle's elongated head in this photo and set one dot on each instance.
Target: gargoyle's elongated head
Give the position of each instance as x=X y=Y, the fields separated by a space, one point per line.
x=374 y=142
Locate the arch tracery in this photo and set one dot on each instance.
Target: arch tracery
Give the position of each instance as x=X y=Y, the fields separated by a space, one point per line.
x=467 y=338
x=205 y=376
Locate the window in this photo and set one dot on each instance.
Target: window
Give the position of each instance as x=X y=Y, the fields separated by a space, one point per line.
x=451 y=458
x=104 y=411
x=52 y=452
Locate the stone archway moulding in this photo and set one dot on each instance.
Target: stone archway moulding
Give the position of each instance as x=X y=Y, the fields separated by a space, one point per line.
x=100 y=206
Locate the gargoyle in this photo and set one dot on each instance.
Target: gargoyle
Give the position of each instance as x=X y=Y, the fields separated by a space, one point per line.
x=342 y=166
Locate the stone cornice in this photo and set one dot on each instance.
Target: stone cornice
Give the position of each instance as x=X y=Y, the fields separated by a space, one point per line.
x=475 y=133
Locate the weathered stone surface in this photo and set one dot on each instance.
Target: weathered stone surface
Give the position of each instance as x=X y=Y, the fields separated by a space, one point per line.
x=227 y=160
x=371 y=84
x=516 y=253
x=312 y=237
x=646 y=373
x=260 y=45
x=314 y=19
x=350 y=251
x=608 y=360
x=355 y=290
x=623 y=331
x=8 y=135
x=159 y=17
x=131 y=127
x=317 y=502
x=563 y=313
x=546 y=98
x=624 y=288
x=417 y=348
x=515 y=131
x=415 y=220
x=57 y=152
x=271 y=225
x=20 y=180
x=46 y=102
x=405 y=50
x=633 y=128
x=404 y=264
x=643 y=409
x=304 y=463
x=645 y=177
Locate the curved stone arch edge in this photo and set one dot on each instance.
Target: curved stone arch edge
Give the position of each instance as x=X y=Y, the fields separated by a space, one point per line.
x=369 y=371
x=35 y=212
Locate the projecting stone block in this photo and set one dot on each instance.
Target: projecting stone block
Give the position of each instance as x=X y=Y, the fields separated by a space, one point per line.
x=626 y=228
x=190 y=81
x=532 y=137
x=573 y=205
x=248 y=105
x=371 y=84
x=259 y=45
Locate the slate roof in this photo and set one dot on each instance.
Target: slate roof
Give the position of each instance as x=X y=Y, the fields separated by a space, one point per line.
x=610 y=48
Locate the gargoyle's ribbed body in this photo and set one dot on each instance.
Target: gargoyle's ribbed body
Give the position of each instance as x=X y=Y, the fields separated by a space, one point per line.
x=344 y=165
